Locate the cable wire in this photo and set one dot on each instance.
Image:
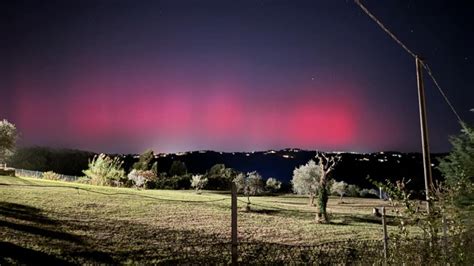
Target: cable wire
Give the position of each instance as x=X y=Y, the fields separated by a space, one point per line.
x=381 y=25
x=428 y=70
x=410 y=52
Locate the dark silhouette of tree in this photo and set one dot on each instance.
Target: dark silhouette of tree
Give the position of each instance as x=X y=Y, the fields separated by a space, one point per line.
x=178 y=168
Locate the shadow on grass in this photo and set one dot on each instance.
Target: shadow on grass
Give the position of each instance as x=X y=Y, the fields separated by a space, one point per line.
x=369 y=219
x=15 y=179
x=27 y=224
x=41 y=232
x=23 y=212
x=13 y=254
x=264 y=211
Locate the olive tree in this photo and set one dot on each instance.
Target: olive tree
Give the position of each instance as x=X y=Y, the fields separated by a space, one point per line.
x=198 y=182
x=8 y=137
x=327 y=165
x=340 y=188
x=312 y=179
x=305 y=180
x=250 y=184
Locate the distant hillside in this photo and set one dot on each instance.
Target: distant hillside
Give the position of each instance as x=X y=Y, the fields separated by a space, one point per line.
x=353 y=168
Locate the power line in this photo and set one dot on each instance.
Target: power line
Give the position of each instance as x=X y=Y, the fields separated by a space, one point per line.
x=428 y=70
x=381 y=25
x=410 y=52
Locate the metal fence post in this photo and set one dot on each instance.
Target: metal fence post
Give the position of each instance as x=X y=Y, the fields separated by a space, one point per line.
x=234 y=224
x=385 y=236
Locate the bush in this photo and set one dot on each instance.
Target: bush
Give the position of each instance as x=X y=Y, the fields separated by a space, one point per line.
x=219 y=177
x=104 y=170
x=178 y=168
x=273 y=185
x=352 y=191
x=142 y=179
x=145 y=161
x=174 y=182
x=83 y=180
x=198 y=182
x=50 y=175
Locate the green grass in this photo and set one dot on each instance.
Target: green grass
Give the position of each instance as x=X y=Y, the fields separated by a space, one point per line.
x=69 y=222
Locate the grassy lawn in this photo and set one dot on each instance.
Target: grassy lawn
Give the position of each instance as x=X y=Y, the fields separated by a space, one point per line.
x=60 y=222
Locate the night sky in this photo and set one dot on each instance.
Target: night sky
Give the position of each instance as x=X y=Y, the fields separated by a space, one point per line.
x=123 y=76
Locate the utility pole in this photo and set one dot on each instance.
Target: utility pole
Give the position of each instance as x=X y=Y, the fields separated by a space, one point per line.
x=424 y=132
x=385 y=235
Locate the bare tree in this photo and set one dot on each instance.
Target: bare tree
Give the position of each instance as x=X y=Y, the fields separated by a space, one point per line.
x=327 y=165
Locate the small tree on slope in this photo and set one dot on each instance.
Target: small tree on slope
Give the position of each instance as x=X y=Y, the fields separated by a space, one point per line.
x=8 y=136
x=250 y=185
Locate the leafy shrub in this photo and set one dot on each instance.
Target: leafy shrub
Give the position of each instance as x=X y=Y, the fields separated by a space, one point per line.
x=84 y=180
x=198 y=182
x=174 y=182
x=178 y=168
x=142 y=178
x=458 y=170
x=220 y=177
x=339 y=188
x=50 y=175
x=105 y=171
x=8 y=137
x=352 y=190
x=273 y=184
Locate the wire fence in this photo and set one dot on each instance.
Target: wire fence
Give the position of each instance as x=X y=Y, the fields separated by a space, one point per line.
x=39 y=174
x=365 y=252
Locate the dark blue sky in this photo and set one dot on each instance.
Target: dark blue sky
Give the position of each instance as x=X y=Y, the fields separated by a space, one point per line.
x=123 y=76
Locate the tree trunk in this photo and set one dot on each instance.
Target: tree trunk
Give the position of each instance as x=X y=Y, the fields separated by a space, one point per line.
x=321 y=216
x=247 y=207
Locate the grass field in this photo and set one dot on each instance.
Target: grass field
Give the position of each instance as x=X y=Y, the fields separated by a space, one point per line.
x=60 y=222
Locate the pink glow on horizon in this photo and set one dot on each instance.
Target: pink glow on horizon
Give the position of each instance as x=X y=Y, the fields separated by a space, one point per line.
x=173 y=114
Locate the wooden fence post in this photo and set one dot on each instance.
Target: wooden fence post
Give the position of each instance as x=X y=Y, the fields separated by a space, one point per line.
x=234 y=225
x=385 y=235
